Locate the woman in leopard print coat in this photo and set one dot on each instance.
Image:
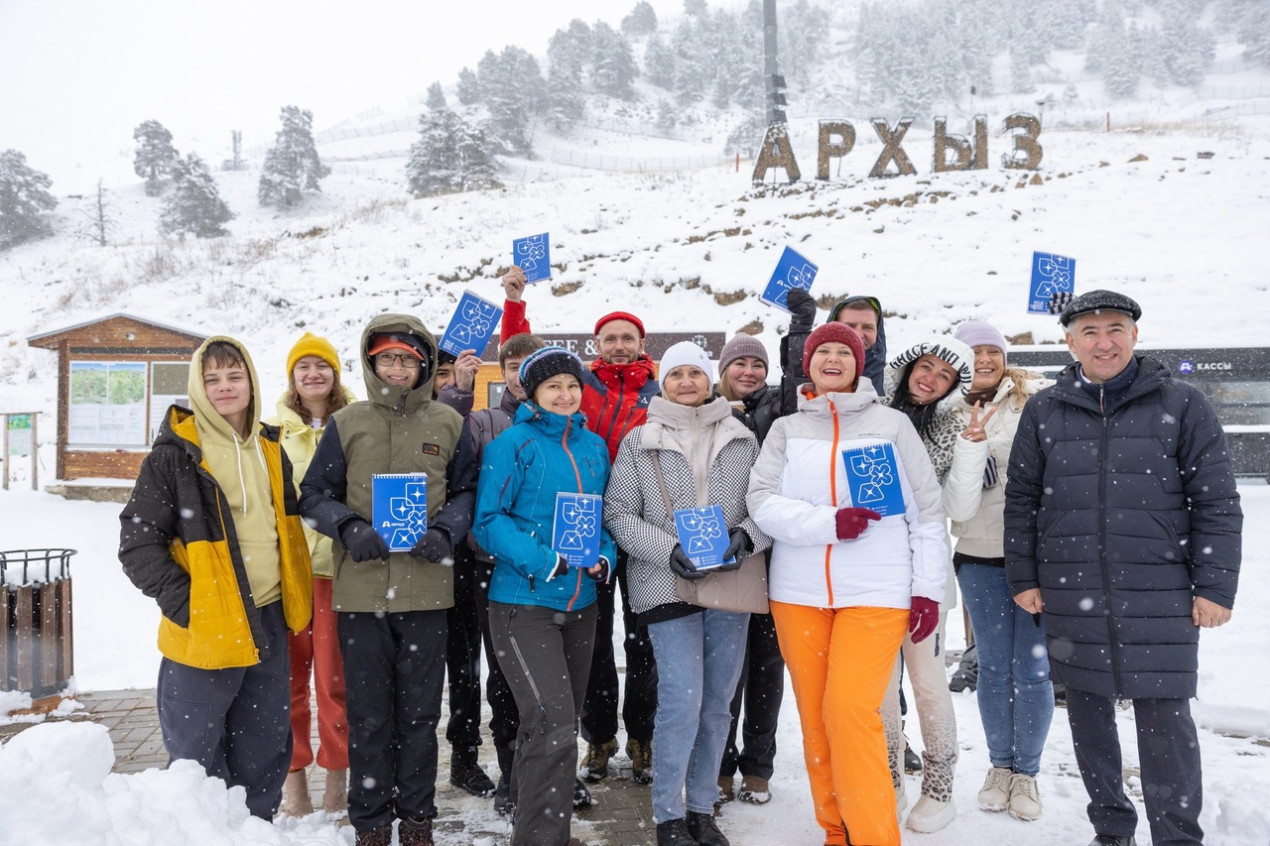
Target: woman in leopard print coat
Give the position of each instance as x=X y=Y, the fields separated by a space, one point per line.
x=926 y=381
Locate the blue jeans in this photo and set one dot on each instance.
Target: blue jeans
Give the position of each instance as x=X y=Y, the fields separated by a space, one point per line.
x=699 y=659
x=1016 y=697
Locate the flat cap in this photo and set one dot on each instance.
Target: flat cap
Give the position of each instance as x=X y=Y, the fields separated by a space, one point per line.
x=1099 y=301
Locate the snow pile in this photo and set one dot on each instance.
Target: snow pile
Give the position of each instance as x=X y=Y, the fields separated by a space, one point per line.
x=56 y=787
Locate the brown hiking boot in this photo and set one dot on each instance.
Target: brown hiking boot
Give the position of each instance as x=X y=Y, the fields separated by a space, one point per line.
x=641 y=755
x=595 y=764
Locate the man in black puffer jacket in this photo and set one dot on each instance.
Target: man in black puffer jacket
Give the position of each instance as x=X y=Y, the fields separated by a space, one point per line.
x=1123 y=524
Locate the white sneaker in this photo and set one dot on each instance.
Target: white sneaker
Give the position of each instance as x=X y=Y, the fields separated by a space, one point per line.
x=901 y=801
x=1025 y=800
x=931 y=815
x=995 y=793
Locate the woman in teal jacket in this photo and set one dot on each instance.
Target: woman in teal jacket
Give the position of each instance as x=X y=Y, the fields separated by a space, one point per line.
x=542 y=611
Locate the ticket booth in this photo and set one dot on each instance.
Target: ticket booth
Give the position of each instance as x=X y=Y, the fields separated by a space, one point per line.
x=489 y=379
x=1236 y=380
x=116 y=377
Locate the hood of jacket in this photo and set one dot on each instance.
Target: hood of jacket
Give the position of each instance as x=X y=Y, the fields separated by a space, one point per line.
x=863 y=396
x=212 y=427
x=548 y=421
x=379 y=392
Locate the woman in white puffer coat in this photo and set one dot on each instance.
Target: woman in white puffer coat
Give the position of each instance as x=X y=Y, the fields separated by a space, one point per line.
x=1015 y=696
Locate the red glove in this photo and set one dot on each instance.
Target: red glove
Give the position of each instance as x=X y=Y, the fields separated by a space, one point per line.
x=853 y=521
x=923 y=618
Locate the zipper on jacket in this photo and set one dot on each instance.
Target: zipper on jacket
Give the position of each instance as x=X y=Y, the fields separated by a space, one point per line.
x=1112 y=638
x=833 y=493
x=564 y=443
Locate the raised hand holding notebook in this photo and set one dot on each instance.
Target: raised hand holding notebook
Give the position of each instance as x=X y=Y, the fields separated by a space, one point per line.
x=703 y=534
x=792 y=271
x=533 y=255
x=1053 y=280
x=475 y=321
x=874 y=478
x=575 y=531
x=399 y=508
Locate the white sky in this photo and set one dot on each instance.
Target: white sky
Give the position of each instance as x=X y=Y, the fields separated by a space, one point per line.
x=77 y=76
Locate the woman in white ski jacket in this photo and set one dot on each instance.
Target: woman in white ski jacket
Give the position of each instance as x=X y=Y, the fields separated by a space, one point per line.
x=1015 y=695
x=847 y=582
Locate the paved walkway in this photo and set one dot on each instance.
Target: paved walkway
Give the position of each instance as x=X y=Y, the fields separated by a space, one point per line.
x=621 y=815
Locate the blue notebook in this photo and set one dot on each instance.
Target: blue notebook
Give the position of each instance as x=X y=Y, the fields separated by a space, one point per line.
x=792 y=271
x=575 y=531
x=1052 y=277
x=399 y=508
x=533 y=255
x=874 y=478
x=474 y=323
x=703 y=534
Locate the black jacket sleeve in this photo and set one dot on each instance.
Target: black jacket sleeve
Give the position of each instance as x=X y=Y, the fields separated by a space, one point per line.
x=455 y=517
x=1215 y=541
x=1023 y=500
x=802 y=310
x=325 y=486
x=147 y=525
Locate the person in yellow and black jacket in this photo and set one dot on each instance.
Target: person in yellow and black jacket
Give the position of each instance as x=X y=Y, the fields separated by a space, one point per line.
x=212 y=533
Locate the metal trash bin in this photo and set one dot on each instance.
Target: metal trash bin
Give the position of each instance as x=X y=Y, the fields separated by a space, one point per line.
x=36 y=649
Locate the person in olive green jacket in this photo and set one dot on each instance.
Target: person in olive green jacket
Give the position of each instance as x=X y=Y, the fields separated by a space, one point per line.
x=391 y=606
x=212 y=534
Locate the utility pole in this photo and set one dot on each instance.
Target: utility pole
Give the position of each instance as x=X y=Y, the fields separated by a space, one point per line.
x=775 y=82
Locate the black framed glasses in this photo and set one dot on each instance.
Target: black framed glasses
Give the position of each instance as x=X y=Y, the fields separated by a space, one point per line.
x=406 y=360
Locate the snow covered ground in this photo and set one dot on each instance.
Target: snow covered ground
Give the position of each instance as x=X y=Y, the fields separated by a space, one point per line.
x=56 y=786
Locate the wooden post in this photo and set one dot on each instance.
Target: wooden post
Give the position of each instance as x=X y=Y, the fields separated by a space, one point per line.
x=4 y=449
x=35 y=449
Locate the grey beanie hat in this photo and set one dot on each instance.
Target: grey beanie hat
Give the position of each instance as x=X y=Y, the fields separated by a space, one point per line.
x=742 y=346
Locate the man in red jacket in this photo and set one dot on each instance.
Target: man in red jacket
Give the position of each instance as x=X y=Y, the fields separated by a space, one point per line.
x=616 y=390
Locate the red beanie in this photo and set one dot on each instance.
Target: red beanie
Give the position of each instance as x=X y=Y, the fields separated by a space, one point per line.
x=620 y=315
x=834 y=332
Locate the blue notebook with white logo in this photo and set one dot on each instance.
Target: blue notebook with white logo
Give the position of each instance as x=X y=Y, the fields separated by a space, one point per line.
x=533 y=256
x=474 y=323
x=703 y=534
x=399 y=508
x=575 y=531
x=792 y=271
x=1052 y=277
x=874 y=478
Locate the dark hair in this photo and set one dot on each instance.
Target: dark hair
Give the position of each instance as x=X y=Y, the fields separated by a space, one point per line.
x=223 y=354
x=335 y=400
x=921 y=416
x=519 y=346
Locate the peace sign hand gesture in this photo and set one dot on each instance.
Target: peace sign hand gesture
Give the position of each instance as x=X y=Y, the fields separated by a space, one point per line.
x=976 y=430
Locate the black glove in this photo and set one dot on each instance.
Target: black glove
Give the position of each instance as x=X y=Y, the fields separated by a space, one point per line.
x=363 y=542
x=681 y=565
x=562 y=567
x=738 y=543
x=601 y=574
x=433 y=545
x=802 y=310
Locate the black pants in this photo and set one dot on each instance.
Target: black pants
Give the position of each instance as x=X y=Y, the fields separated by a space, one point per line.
x=1168 y=753
x=236 y=722
x=761 y=687
x=469 y=627
x=394 y=671
x=599 y=711
x=547 y=658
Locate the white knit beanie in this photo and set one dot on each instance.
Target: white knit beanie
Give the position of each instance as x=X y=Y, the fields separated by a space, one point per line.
x=684 y=352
